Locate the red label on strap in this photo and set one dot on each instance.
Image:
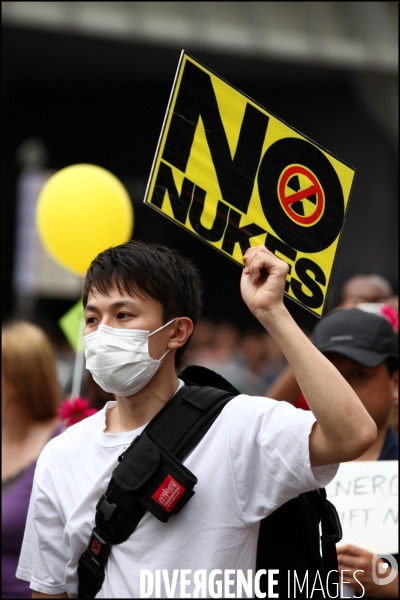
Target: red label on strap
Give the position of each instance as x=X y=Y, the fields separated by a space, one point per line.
x=95 y=546
x=169 y=492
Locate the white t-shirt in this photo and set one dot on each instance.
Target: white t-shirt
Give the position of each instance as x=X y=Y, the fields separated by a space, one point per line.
x=253 y=459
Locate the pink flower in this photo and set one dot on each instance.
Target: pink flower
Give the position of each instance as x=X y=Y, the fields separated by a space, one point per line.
x=74 y=410
x=391 y=315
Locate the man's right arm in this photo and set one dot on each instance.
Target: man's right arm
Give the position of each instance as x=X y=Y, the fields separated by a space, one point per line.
x=344 y=429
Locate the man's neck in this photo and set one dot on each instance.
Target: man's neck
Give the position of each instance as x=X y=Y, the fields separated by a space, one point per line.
x=134 y=411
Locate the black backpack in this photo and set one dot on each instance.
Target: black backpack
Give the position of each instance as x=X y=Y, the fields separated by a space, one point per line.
x=150 y=476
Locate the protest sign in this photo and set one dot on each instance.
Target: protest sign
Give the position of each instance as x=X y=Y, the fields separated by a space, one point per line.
x=236 y=176
x=365 y=494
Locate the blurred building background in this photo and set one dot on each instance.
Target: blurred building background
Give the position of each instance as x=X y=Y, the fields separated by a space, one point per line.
x=89 y=82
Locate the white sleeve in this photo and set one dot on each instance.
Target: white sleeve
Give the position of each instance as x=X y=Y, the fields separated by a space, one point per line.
x=269 y=444
x=44 y=555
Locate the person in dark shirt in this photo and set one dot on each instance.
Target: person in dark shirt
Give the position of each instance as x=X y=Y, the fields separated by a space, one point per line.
x=30 y=398
x=364 y=348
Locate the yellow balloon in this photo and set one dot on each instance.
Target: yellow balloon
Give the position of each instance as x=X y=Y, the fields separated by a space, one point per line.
x=82 y=210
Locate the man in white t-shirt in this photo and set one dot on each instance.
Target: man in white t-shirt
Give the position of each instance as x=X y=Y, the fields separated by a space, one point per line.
x=141 y=303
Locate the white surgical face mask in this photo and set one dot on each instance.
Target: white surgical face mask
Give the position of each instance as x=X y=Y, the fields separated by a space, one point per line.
x=119 y=359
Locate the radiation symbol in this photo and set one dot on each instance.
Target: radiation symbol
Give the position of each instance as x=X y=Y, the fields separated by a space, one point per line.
x=301 y=195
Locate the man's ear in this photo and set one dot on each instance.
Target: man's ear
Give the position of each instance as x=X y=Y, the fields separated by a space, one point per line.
x=183 y=328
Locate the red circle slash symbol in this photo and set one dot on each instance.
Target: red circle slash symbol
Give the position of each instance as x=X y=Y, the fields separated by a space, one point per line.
x=292 y=203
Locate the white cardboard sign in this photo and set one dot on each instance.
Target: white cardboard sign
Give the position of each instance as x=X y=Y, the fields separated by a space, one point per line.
x=365 y=494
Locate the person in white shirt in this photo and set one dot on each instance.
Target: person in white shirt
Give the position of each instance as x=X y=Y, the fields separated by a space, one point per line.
x=141 y=304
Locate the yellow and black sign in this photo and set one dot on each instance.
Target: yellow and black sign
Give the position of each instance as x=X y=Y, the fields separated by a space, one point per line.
x=233 y=174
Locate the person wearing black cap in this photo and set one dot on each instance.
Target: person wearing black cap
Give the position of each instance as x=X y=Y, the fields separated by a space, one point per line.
x=364 y=348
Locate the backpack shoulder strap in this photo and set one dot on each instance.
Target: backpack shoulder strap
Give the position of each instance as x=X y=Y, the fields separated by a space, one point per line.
x=164 y=443
x=331 y=534
x=186 y=421
x=156 y=453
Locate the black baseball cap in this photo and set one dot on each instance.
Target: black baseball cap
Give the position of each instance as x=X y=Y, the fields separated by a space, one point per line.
x=367 y=338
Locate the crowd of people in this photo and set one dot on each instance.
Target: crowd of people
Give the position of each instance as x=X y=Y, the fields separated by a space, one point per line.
x=252 y=361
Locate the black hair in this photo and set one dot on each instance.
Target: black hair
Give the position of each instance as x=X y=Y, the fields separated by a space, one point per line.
x=149 y=270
